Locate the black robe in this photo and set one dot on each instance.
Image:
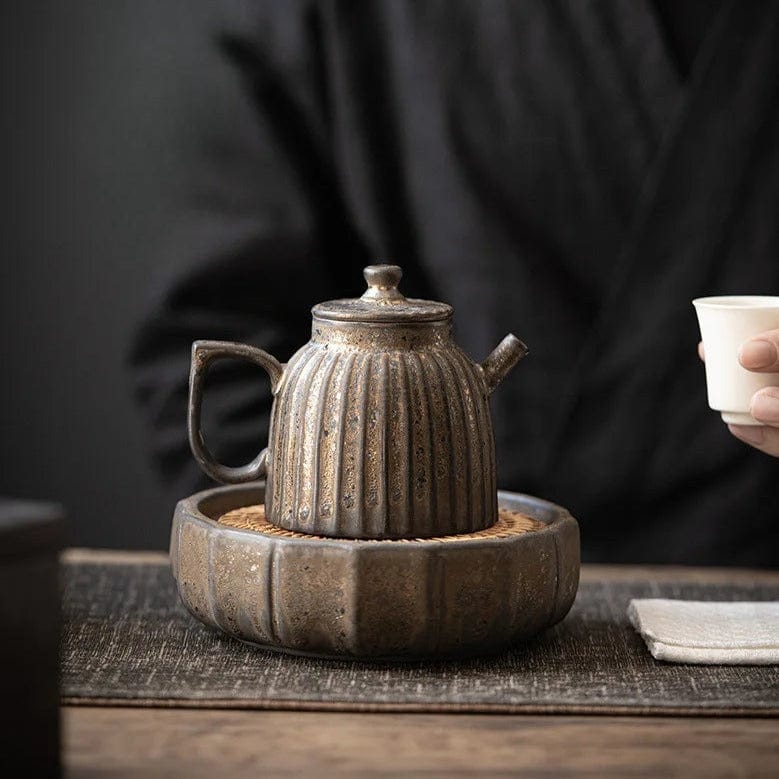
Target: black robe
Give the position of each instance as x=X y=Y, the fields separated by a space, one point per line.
x=551 y=169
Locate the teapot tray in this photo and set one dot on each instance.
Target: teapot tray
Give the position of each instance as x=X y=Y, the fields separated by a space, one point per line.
x=459 y=595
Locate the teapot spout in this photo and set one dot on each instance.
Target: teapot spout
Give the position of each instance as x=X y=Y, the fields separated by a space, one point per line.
x=502 y=359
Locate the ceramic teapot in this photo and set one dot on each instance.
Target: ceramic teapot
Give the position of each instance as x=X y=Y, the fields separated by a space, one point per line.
x=380 y=426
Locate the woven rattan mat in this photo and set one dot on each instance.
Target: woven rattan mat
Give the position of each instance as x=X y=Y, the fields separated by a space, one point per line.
x=510 y=523
x=128 y=641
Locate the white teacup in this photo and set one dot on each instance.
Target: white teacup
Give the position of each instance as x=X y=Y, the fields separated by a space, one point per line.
x=725 y=323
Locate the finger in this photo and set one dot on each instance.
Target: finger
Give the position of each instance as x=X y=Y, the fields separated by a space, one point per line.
x=761 y=353
x=765 y=406
x=766 y=439
x=701 y=351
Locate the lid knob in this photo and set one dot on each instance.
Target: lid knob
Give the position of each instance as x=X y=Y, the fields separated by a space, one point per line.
x=383 y=282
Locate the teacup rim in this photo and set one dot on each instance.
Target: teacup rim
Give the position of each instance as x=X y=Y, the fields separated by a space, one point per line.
x=744 y=302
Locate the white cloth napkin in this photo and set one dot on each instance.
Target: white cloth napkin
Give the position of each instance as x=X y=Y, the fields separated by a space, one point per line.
x=687 y=631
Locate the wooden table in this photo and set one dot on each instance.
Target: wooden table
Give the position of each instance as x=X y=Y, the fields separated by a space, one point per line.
x=193 y=743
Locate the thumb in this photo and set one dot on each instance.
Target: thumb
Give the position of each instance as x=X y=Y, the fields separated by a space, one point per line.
x=761 y=353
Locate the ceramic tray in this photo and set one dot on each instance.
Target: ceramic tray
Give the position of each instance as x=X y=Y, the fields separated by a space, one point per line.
x=452 y=596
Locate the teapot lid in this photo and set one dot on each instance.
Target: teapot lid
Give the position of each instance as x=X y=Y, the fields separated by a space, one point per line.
x=383 y=302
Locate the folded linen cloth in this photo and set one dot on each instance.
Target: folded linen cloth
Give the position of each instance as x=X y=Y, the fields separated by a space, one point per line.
x=708 y=633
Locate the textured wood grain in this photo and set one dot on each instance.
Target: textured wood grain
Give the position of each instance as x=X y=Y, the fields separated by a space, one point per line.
x=119 y=743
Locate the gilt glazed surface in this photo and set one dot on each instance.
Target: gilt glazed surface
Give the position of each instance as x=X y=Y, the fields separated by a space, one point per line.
x=380 y=425
x=390 y=599
x=381 y=432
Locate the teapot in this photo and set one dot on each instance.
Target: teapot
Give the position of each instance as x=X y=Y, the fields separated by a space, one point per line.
x=380 y=426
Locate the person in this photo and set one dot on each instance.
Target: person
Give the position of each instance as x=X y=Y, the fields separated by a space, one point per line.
x=760 y=355
x=574 y=172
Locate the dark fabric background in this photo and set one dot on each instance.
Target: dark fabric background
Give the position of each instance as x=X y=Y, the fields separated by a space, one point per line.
x=569 y=171
x=97 y=105
x=124 y=127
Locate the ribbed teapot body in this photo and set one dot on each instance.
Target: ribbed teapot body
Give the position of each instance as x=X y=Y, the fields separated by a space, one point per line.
x=381 y=432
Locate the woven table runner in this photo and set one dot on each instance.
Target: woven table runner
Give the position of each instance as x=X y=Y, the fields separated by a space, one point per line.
x=129 y=641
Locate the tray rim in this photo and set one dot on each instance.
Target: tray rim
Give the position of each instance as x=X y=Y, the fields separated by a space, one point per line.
x=206 y=555
x=550 y=514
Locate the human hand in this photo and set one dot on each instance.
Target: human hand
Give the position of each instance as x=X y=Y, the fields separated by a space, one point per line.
x=760 y=354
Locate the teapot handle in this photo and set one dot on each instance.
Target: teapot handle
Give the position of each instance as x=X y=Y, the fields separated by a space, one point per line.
x=203 y=354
